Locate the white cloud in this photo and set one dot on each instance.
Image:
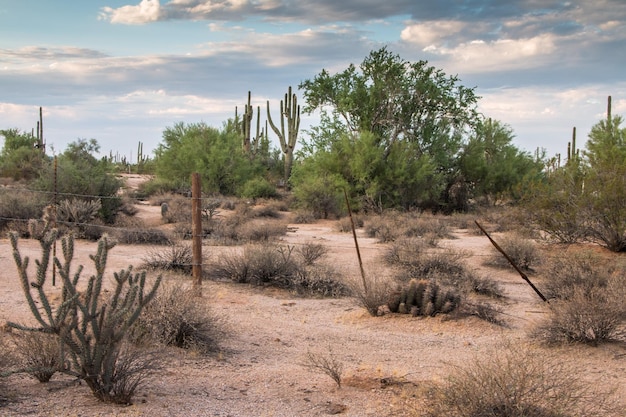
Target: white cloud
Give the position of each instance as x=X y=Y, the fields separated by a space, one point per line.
x=544 y=117
x=505 y=54
x=145 y=12
x=431 y=32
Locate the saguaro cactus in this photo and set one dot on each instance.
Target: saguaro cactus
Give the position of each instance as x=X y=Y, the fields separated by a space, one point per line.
x=289 y=115
x=89 y=327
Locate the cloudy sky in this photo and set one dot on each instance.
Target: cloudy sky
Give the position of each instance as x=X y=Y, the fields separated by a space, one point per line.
x=121 y=71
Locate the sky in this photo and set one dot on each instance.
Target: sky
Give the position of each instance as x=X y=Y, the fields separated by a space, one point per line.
x=122 y=71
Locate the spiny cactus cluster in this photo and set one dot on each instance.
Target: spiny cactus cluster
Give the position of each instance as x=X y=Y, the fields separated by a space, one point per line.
x=90 y=327
x=423 y=298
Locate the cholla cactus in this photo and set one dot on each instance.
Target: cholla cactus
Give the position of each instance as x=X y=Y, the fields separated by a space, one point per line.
x=90 y=328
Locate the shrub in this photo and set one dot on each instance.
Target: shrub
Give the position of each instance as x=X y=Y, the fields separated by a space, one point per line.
x=304 y=217
x=258 y=188
x=75 y=211
x=159 y=185
x=178 y=318
x=310 y=252
x=590 y=316
x=413 y=261
x=178 y=210
x=19 y=206
x=374 y=293
x=268 y=211
x=382 y=228
x=587 y=299
x=576 y=269
x=279 y=267
x=39 y=354
x=176 y=257
x=260 y=231
x=259 y=264
x=522 y=251
x=318 y=280
x=405 y=251
x=326 y=363
x=322 y=196
x=141 y=236
x=515 y=381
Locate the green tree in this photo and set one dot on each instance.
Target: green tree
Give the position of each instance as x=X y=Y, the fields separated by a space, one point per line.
x=395 y=100
x=80 y=174
x=397 y=131
x=491 y=165
x=604 y=201
x=216 y=154
x=20 y=158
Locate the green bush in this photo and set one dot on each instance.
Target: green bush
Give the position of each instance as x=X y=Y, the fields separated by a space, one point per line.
x=258 y=188
x=322 y=196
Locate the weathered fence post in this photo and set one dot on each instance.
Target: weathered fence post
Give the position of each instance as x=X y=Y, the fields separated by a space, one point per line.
x=196 y=230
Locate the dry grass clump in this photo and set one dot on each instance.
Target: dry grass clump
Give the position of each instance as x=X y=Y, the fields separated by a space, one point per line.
x=588 y=316
x=141 y=236
x=516 y=381
x=326 y=363
x=576 y=269
x=586 y=298
x=18 y=206
x=319 y=280
x=375 y=293
x=393 y=225
x=38 y=354
x=176 y=317
x=311 y=252
x=277 y=266
x=260 y=231
x=176 y=257
x=523 y=252
x=304 y=217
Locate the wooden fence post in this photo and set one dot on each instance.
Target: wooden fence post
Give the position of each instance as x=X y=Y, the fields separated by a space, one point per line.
x=196 y=230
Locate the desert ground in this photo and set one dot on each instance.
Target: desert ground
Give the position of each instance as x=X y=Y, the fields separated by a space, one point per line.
x=389 y=361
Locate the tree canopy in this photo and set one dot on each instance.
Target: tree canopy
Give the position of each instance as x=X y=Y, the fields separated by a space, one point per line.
x=406 y=135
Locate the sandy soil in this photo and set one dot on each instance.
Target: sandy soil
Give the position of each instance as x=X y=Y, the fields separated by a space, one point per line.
x=389 y=361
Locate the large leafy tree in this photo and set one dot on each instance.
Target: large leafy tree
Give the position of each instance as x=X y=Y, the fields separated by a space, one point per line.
x=400 y=133
x=394 y=99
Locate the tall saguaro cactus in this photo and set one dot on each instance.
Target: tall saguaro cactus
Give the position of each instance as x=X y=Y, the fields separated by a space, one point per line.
x=289 y=115
x=246 y=119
